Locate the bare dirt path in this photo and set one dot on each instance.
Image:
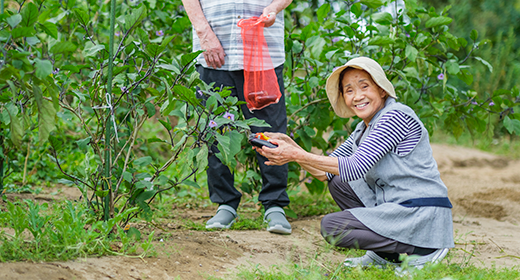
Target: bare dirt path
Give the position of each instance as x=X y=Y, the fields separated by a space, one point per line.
x=484 y=189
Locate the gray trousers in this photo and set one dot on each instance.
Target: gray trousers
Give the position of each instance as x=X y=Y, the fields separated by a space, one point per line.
x=344 y=230
x=274 y=178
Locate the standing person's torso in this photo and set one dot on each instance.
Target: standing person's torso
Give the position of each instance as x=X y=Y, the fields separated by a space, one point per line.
x=223 y=16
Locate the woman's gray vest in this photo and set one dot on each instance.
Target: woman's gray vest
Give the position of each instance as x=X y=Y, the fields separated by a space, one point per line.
x=395 y=184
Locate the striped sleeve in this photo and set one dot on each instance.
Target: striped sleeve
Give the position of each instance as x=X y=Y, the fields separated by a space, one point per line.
x=344 y=150
x=395 y=131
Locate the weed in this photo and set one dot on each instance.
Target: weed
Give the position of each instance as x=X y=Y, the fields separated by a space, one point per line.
x=61 y=232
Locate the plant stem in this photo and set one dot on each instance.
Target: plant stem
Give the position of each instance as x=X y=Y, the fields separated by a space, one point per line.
x=1 y=156
x=108 y=207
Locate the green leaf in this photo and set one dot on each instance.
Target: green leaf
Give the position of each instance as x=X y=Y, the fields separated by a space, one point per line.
x=485 y=63
x=290 y=213
x=83 y=143
x=411 y=52
x=51 y=29
x=143 y=161
x=14 y=20
x=189 y=57
x=22 y=31
x=512 y=125
x=305 y=138
x=257 y=122
x=191 y=184
x=145 y=195
x=356 y=9
x=43 y=68
x=134 y=232
x=170 y=67
x=465 y=76
x=63 y=47
x=374 y=4
x=315 y=186
x=150 y=109
x=134 y=18
x=185 y=93
x=82 y=16
x=473 y=35
x=127 y=176
x=229 y=145
x=56 y=143
x=91 y=49
x=46 y=115
x=102 y=193
x=436 y=21
x=323 y=11
x=381 y=41
x=383 y=18
x=166 y=125
x=202 y=158
x=15 y=125
x=29 y=15
x=452 y=67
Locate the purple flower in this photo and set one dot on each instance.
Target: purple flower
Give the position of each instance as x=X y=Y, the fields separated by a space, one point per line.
x=230 y=116
x=212 y=124
x=441 y=76
x=474 y=102
x=328 y=153
x=292 y=135
x=159 y=33
x=311 y=68
x=199 y=92
x=491 y=103
x=56 y=71
x=123 y=89
x=117 y=34
x=336 y=39
x=335 y=68
x=309 y=180
x=408 y=35
x=181 y=8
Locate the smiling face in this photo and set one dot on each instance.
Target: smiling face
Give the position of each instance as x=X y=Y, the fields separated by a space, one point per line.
x=362 y=95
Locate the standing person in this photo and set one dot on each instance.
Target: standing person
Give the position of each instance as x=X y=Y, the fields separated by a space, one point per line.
x=384 y=177
x=216 y=32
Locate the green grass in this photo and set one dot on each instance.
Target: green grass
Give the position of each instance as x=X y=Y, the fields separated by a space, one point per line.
x=315 y=268
x=63 y=231
x=319 y=270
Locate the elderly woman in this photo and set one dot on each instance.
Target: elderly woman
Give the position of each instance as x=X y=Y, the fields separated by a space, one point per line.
x=383 y=178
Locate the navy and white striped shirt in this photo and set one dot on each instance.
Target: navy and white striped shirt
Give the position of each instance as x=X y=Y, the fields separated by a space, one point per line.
x=223 y=16
x=395 y=132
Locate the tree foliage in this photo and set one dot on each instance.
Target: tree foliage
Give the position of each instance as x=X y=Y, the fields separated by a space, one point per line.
x=54 y=82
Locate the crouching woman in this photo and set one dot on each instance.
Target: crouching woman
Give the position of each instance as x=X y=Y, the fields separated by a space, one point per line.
x=383 y=177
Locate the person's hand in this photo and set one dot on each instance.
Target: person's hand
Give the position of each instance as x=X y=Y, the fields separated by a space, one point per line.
x=214 y=53
x=284 y=153
x=284 y=137
x=270 y=17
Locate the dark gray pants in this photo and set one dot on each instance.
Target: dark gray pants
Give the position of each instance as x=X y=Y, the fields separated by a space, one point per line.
x=274 y=178
x=344 y=230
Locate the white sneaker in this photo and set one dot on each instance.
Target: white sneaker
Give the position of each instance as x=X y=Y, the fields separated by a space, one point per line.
x=418 y=262
x=369 y=259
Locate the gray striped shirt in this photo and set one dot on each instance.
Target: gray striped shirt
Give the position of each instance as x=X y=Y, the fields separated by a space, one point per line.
x=223 y=16
x=395 y=132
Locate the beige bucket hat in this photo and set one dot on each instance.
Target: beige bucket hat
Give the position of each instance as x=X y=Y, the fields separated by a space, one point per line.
x=364 y=63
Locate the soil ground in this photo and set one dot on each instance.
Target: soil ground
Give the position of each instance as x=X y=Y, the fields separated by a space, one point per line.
x=484 y=190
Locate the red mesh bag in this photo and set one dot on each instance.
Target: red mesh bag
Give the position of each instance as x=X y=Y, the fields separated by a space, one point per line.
x=260 y=83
